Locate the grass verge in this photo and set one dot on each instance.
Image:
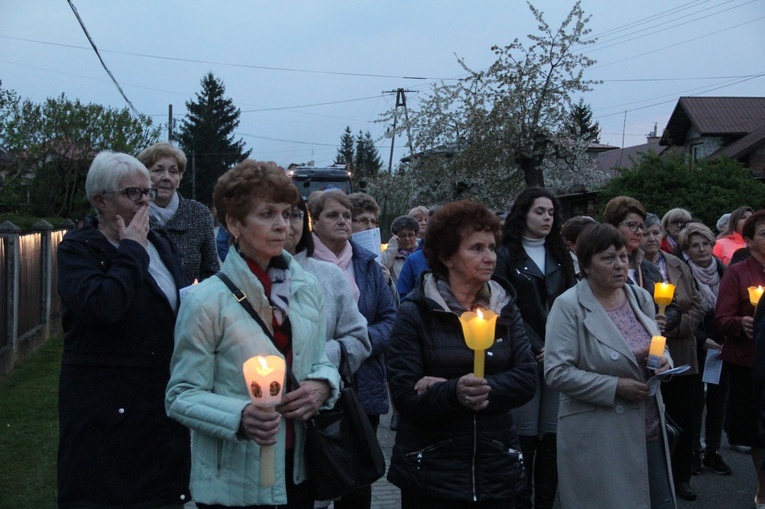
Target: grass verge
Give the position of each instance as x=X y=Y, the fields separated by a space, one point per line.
x=29 y=430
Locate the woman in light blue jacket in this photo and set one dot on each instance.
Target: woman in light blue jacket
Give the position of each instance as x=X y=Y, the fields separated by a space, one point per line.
x=215 y=335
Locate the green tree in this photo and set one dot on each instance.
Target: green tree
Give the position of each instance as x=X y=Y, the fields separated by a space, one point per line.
x=501 y=125
x=206 y=136
x=580 y=123
x=711 y=189
x=367 y=160
x=54 y=142
x=346 y=151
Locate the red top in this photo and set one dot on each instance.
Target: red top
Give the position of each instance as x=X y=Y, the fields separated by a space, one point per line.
x=732 y=305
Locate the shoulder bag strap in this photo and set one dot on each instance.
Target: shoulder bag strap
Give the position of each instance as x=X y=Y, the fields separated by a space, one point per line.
x=241 y=298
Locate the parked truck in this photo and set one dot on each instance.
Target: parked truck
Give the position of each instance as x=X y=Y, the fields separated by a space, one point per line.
x=310 y=178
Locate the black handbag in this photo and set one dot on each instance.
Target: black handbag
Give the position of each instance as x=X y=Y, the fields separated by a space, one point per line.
x=672 y=430
x=341 y=449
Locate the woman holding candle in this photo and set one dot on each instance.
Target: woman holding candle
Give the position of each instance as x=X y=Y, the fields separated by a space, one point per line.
x=696 y=242
x=535 y=260
x=216 y=336
x=734 y=318
x=332 y=215
x=456 y=441
x=119 y=284
x=612 y=450
x=679 y=392
x=188 y=223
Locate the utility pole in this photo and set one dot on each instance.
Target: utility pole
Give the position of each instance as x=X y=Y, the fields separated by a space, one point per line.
x=193 y=175
x=400 y=101
x=169 y=123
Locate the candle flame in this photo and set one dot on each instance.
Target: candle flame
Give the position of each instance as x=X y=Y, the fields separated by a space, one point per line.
x=196 y=281
x=478 y=312
x=264 y=369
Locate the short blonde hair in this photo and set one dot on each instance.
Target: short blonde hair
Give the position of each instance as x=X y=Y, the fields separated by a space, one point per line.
x=419 y=211
x=672 y=215
x=694 y=228
x=149 y=156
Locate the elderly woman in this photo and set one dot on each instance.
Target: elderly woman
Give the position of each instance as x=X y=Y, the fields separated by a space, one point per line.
x=730 y=239
x=679 y=393
x=345 y=324
x=696 y=242
x=535 y=260
x=119 y=283
x=401 y=245
x=421 y=214
x=612 y=450
x=456 y=445
x=331 y=213
x=216 y=335
x=672 y=224
x=188 y=223
x=734 y=319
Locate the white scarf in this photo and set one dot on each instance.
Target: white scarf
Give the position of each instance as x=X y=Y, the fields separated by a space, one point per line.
x=163 y=215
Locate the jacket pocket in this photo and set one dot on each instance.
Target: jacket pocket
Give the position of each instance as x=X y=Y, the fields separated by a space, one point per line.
x=570 y=407
x=421 y=458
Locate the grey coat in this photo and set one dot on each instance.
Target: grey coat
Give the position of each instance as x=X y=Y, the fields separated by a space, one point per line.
x=344 y=321
x=602 y=458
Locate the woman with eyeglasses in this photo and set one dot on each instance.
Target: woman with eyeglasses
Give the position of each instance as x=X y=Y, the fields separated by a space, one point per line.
x=628 y=215
x=188 y=223
x=679 y=392
x=216 y=335
x=402 y=243
x=119 y=282
x=332 y=219
x=672 y=224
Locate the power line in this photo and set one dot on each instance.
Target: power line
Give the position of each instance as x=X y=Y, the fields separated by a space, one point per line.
x=93 y=44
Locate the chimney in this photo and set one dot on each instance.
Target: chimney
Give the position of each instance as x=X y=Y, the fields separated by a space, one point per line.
x=653 y=137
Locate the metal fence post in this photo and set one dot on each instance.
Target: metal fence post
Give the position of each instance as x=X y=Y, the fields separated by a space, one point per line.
x=44 y=228
x=9 y=233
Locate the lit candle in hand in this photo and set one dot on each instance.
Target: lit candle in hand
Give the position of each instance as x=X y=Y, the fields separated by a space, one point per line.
x=264 y=377
x=662 y=295
x=656 y=351
x=478 y=329
x=755 y=293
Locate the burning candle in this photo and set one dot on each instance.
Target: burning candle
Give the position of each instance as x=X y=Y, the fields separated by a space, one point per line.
x=656 y=351
x=662 y=295
x=755 y=292
x=478 y=328
x=264 y=377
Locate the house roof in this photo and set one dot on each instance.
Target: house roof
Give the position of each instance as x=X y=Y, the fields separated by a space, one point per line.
x=714 y=116
x=622 y=158
x=743 y=146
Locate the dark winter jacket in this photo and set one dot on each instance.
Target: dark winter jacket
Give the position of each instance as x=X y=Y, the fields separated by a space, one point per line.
x=191 y=228
x=117 y=447
x=538 y=291
x=443 y=448
x=376 y=304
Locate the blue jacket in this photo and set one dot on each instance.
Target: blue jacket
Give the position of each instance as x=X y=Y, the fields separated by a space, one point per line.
x=117 y=447
x=376 y=304
x=414 y=265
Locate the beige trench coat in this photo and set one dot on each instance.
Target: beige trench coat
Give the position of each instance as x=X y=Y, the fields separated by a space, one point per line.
x=602 y=459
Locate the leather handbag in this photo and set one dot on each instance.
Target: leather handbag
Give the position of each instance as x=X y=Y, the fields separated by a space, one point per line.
x=342 y=452
x=341 y=449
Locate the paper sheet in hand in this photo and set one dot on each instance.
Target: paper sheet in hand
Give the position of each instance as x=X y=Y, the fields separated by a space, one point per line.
x=712 y=367
x=653 y=382
x=369 y=239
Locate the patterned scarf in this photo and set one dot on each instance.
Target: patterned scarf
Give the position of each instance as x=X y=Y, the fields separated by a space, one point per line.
x=323 y=253
x=709 y=282
x=482 y=299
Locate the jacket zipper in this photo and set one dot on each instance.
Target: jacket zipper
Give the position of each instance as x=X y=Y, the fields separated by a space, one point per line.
x=422 y=451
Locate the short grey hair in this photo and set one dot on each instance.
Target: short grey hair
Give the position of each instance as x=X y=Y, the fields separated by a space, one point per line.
x=650 y=220
x=404 y=223
x=108 y=169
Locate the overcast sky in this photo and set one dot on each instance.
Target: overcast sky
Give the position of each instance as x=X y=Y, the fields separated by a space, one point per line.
x=301 y=71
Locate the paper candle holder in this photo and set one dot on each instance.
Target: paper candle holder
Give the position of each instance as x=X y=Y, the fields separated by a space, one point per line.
x=755 y=293
x=479 y=330
x=663 y=294
x=264 y=377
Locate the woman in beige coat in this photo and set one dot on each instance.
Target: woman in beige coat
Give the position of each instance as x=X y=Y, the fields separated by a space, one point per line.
x=612 y=450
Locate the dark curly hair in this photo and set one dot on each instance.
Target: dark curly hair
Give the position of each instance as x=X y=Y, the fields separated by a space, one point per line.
x=450 y=225
x=515 y=227
x=238 y=191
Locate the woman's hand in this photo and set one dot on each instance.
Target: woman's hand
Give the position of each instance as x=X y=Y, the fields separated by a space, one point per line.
x=747 y=323
x=260 y=425
x=540 y=357
x=663 y=365
x=138 y=228
x=661 y=320
x=426 y=382
x=711 y=344
x=473 y=392
x=631 y=390
x=304 y=402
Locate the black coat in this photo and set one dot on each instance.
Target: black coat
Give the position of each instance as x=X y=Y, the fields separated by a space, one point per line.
x=443 y=448
x=117 y=447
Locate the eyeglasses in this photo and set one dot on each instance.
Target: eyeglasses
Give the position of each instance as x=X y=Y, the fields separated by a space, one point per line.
x=680 y=223
x=633 y=226
x=407 y=236
x=296 y=216
x=366 y=221
x=135 y=193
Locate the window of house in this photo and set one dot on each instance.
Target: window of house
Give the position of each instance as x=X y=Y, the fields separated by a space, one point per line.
x=697 y=153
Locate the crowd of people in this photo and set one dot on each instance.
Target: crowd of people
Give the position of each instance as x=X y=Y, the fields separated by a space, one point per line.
x=154 y=411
